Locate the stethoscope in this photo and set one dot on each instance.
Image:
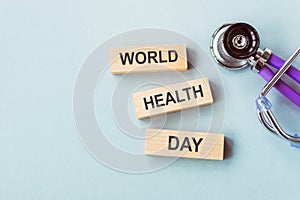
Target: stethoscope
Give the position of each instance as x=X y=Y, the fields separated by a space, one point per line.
x=235 y=46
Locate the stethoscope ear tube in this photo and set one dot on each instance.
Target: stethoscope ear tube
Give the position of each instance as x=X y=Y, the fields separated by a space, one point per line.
x=277 y=62
x=281 y=86
x=264 y=106
x=267 y=57
x=268 y=119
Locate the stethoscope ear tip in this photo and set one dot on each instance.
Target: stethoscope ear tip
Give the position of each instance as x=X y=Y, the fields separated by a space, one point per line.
x=295 y=144
x=263 y=104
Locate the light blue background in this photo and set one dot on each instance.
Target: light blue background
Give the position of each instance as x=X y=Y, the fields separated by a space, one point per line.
x=42 y=47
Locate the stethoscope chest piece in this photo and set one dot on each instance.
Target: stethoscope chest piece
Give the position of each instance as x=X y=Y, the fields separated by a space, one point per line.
x=233 y=44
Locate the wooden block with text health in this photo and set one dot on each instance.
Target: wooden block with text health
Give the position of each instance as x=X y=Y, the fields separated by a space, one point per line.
x=172 y=98
x=185 y=144
x=156 y=58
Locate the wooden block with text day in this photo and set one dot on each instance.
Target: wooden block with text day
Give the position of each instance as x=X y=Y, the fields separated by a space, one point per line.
x=172 y=98
x=185 y=144
x=155 y=58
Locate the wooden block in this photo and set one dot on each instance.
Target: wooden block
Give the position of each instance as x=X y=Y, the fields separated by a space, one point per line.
x=185 y=144
x=172 y=98
x=156 y=58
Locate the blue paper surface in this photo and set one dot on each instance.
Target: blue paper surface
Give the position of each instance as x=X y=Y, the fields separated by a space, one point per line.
x=43 y=45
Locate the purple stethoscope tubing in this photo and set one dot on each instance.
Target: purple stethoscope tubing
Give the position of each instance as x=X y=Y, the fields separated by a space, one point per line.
x=282 y=87
x=277 y=62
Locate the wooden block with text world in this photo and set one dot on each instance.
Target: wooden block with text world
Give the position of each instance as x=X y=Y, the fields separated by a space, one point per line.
x=155 y=58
